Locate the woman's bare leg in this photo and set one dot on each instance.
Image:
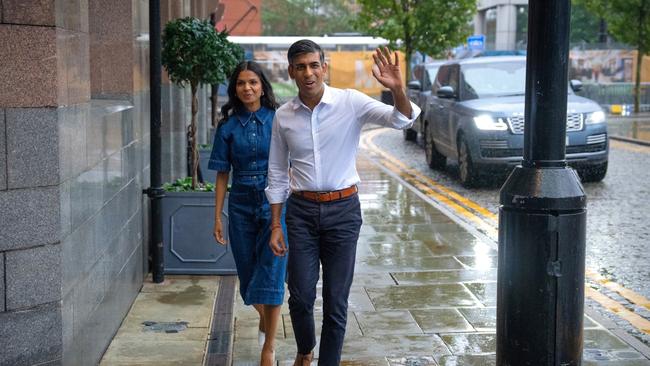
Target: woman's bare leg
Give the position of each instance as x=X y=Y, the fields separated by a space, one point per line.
x=260 y=310
x=271 y=321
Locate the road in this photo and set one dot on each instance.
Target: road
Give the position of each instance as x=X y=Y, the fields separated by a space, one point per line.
x=618 y=219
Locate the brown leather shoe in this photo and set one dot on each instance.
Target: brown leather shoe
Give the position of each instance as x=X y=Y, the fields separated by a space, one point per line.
x=303 y=360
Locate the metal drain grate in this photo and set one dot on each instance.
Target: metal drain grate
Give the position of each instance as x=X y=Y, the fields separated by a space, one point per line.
x=221 y=333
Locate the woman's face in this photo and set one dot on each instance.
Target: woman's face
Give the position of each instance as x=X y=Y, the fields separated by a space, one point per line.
x=249 y=89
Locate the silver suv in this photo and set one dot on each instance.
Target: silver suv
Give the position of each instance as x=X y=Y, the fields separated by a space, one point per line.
x=475 y=114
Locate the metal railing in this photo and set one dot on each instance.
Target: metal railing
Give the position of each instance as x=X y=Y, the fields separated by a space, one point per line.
x=619 y=93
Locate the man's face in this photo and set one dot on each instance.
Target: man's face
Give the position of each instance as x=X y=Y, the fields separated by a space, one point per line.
x=309 y=73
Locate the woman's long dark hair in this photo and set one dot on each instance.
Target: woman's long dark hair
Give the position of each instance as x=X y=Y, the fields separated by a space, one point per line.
x=234 y=104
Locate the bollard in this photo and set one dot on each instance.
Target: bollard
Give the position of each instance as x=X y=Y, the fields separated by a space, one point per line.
x=540 y=288
x=542 y=217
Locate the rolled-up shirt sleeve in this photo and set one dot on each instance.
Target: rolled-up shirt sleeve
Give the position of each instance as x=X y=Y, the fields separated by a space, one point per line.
x=277 y=190
x=369 y=110
x=220 y=155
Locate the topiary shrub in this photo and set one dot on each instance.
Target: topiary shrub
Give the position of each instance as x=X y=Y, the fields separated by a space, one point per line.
x=194 y=53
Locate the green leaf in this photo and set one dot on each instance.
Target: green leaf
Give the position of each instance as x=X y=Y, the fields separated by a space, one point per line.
x=185 y=185
x=429 y=26
x=195 y=53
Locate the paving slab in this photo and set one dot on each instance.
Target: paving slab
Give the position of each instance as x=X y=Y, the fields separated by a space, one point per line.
x=482 y=319
x=444 y=276
x=441 y=320
x=168 y=323
x=421 y=297
x=387 y=322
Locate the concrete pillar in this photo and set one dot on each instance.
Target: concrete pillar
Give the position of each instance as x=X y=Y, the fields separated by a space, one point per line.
x=479 y=22
x=506 y=35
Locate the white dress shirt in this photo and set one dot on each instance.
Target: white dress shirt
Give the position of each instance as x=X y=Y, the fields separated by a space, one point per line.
x=322 y=144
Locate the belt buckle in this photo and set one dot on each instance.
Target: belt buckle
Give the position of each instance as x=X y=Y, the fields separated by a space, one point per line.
x=322 y=196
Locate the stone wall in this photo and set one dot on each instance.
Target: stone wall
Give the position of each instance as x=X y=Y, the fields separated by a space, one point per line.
x=74 y=158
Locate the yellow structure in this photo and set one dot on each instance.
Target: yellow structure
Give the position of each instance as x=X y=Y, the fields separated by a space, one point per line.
x=353 y=69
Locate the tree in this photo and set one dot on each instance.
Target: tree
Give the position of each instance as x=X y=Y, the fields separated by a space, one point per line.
x=628 y=21
x=429 y=26
x=194 y=53
x=307 y=17
x=585 y=26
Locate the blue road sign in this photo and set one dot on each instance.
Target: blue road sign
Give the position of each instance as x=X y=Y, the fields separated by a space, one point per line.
x=476 y=42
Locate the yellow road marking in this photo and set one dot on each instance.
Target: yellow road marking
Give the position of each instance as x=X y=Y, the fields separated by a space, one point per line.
x=629 y=146
x=466 y=208
x=618 y=309
x=464 y=212
x=626 y=293
x=435 y=185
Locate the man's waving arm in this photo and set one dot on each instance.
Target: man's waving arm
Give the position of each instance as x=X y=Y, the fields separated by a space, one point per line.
x=369 y=110
x=388 y=73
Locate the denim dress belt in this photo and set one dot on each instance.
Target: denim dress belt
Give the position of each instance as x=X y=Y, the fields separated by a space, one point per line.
x=249 y=172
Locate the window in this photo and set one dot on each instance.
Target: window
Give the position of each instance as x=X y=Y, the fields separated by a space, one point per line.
x=494 y=80
x=442 y=79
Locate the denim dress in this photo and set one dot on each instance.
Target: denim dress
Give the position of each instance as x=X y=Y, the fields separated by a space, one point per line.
x=242 y=143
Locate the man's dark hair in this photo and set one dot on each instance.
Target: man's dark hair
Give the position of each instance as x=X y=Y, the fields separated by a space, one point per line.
x=304 y=46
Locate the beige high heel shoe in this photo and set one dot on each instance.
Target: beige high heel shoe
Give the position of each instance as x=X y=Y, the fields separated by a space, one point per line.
x=261 y=337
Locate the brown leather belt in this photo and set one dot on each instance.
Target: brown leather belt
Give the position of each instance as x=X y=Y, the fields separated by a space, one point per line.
x=327 y=196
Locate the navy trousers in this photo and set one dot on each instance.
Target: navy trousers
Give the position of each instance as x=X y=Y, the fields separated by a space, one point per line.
x=321 y=234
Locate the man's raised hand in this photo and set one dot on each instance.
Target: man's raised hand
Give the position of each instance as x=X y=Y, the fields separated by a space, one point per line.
x=385 y=70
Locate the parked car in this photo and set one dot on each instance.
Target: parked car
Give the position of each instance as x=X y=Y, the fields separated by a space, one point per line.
x=487 y=53
x=419 y=89
x=475 y=114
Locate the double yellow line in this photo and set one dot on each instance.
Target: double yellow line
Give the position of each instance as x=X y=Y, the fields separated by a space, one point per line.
x=486 y=222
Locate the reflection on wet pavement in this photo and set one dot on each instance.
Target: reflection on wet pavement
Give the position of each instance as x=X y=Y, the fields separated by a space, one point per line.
x=631 y=127
x=424 y=291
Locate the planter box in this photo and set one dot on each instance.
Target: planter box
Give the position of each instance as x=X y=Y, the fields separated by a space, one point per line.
x=208 y=175
x=204 y=158
x=189 y=247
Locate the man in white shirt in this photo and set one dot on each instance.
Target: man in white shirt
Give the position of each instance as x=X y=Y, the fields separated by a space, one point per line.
x=317 y=134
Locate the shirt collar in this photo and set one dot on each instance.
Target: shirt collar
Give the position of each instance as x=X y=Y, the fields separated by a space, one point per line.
x=244 y=116
x=327 y=98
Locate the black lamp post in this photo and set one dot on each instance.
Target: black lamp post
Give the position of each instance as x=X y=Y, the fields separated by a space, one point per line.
x=542 y=218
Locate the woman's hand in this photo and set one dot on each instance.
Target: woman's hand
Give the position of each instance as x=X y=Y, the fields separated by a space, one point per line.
x=218 y=233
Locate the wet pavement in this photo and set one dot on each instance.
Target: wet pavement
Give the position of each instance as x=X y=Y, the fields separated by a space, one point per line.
x=424 y=291
x=633 y=126
x=618 y=226
x=168 y=324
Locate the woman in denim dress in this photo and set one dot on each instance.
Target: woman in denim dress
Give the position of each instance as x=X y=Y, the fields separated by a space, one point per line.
x=242 y=142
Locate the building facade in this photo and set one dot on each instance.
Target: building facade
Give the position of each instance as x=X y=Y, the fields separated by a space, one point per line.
x=74 y=159
x=503 y=22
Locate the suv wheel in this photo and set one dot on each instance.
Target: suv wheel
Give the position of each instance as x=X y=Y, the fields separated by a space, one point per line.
x=594 y=174
x=435 y=160
x=466 y=169
x=410 y=134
